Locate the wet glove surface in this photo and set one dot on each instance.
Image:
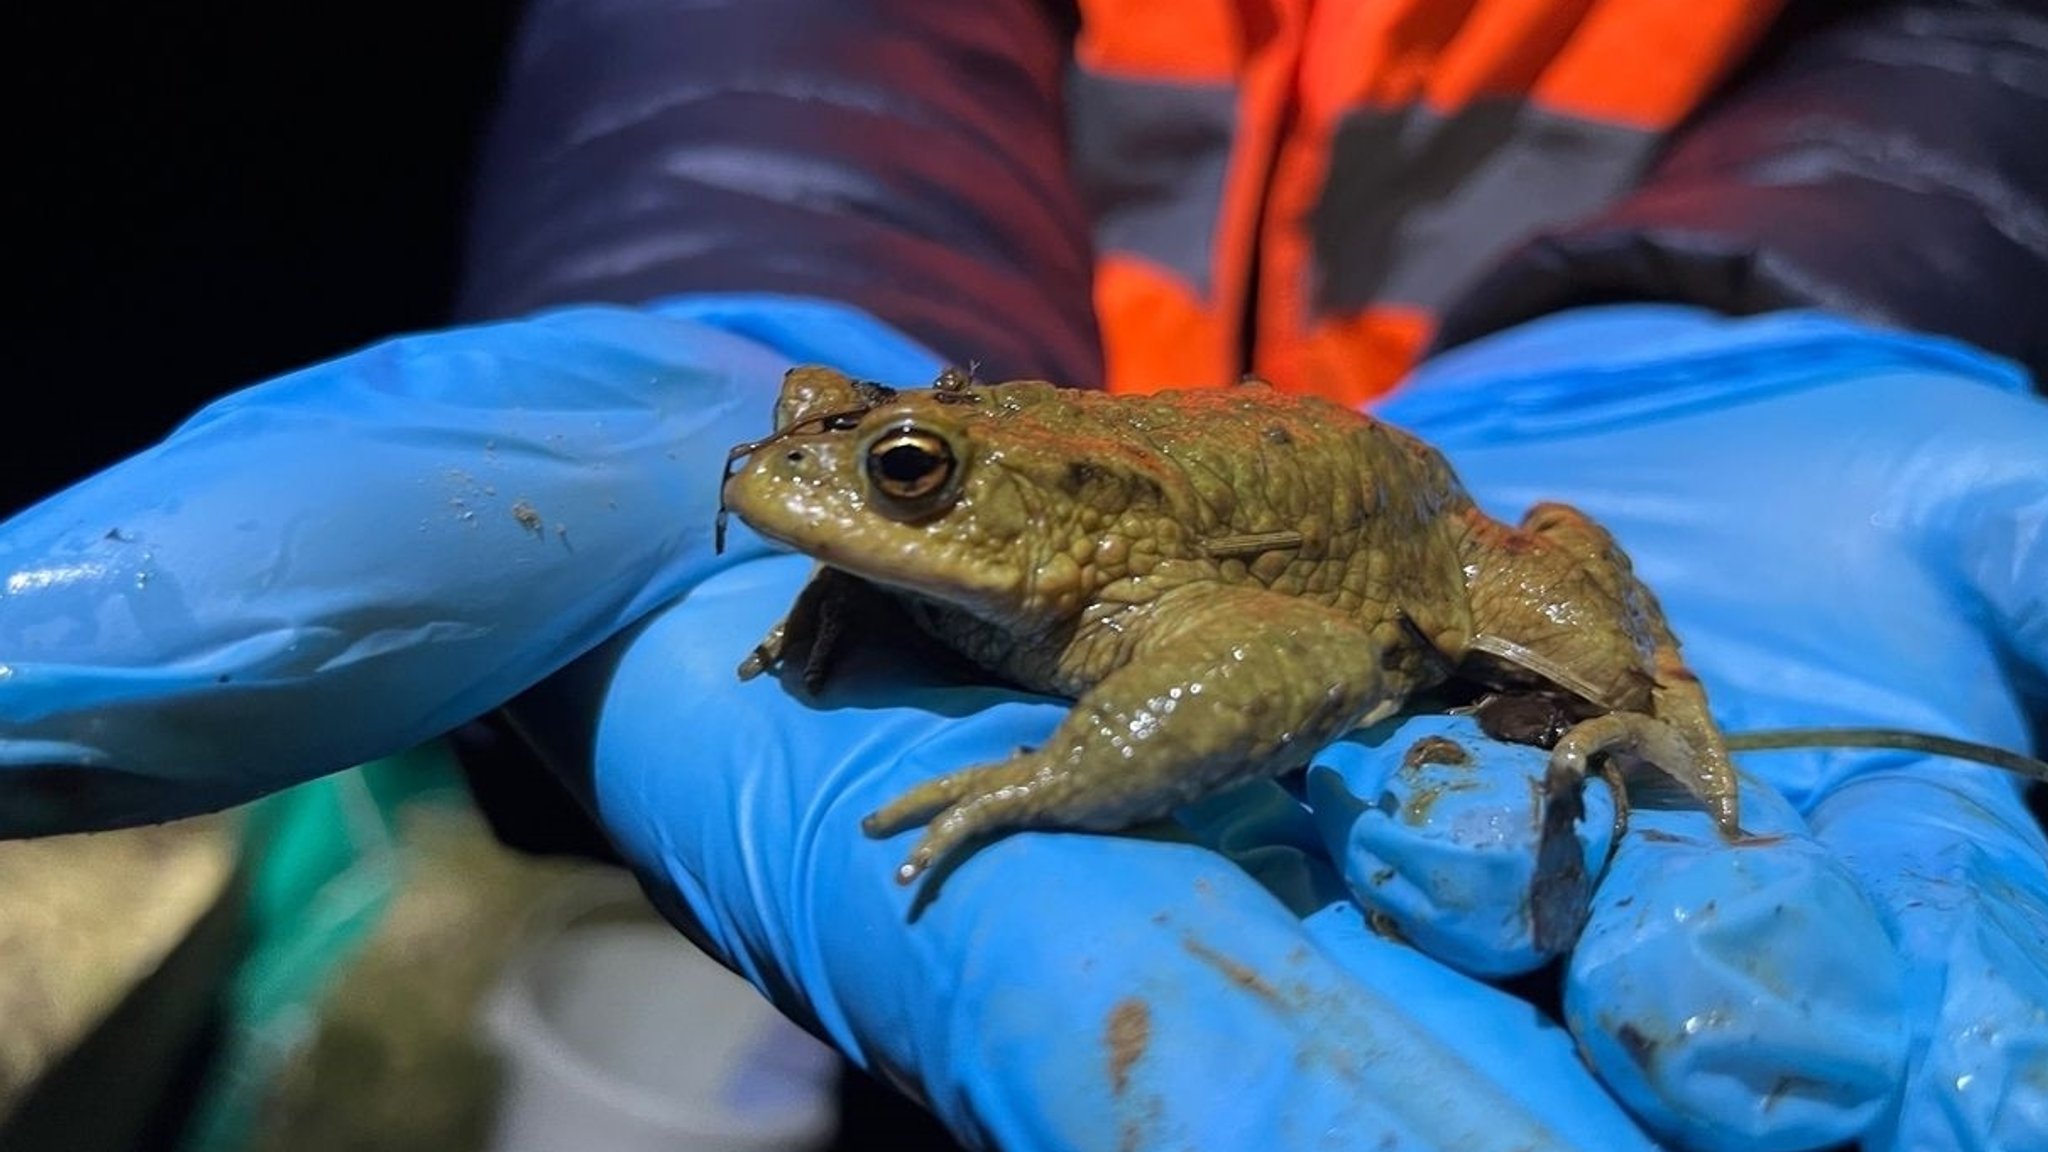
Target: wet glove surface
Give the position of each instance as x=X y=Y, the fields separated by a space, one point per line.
x=340 y=562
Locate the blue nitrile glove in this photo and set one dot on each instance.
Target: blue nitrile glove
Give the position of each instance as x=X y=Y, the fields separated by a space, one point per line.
x=1844 y=528
x=339 y=563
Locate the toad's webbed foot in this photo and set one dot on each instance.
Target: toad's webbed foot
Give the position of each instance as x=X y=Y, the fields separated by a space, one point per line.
x=962 y=806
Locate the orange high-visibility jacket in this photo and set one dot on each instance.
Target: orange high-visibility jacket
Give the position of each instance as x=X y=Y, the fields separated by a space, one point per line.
x=1300 y=185
x=1146 y=193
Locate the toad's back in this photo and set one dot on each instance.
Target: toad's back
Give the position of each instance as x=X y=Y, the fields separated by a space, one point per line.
x=1134 y=496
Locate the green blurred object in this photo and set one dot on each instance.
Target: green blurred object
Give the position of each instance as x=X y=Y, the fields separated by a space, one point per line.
x=301 y=975
x=324 y=863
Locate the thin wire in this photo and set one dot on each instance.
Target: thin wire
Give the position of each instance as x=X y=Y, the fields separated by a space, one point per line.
x=1785 y=739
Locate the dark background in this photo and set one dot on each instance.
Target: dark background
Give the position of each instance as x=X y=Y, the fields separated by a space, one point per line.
x=210 y=193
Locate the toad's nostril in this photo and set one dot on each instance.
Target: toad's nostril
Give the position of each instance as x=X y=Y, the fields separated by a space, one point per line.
x=795 y=456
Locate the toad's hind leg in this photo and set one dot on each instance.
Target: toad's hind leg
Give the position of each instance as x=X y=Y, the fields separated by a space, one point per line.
x=1677 y=736
x=1221 y=684
x=1559 y=598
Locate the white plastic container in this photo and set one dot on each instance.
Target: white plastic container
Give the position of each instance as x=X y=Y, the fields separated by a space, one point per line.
x=619 y=1036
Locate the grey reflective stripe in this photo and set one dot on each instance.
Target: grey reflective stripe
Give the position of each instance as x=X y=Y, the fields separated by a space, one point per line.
x=1417 y=204
x=1150 y=159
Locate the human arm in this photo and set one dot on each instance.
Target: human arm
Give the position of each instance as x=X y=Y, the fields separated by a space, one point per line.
x=1876 y=160
x=903 y=158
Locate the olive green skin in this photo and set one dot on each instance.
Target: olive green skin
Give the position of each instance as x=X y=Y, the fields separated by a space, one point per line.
x=1224 y=580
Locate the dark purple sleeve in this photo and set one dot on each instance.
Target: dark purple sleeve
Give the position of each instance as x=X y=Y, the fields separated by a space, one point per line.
x=906 y=157
x=902 y=156
x=1887 y=161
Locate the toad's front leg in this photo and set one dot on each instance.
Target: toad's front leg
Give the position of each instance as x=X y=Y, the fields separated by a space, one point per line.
x=1222 y=684
x=814 y=627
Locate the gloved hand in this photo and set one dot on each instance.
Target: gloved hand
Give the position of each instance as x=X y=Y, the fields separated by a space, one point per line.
x=1116 y=1007
x=1070 y=990
x=1845 y=528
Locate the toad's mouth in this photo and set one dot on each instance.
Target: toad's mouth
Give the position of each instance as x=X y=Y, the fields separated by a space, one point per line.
x=833 y=527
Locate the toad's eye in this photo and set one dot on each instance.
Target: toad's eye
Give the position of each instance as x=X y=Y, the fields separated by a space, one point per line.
x=911 y=470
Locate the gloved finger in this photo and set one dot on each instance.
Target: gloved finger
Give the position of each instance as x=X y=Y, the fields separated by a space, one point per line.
x=1058 y=989
x=1972 y=491
x=1437 y=827
x=1600 y=370
x=1959 y=871
x=1732 y=995
x=1738 y=995
x=363 y=554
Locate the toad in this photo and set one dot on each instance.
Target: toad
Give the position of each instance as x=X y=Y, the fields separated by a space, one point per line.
x=1223 y=580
